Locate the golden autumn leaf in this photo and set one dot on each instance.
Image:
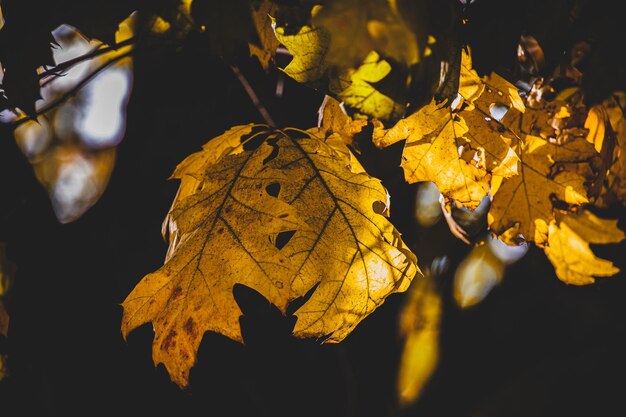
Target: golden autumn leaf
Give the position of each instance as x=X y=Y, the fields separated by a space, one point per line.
x=471 y=85
x=459 y=147
x=268 y=43
x=419 y=324
x=338 y=130
x=280 y=215
x=357 y=88
x=333 y=119
x=357 y=27
x=309 y=47
x=568 y=248
x=368 y=87
x=431 y=154
x=525 y=201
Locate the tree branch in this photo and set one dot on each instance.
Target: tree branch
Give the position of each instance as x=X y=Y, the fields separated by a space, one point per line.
x=69 y=93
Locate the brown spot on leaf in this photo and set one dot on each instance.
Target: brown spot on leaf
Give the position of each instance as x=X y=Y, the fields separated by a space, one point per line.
x=177 y=292
x=169 y=342
x=190 y=328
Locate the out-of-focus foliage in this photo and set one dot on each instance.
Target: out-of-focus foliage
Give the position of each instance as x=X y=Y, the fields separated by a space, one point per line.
x=609 y=140
x=427 y=205
x=7 y=272
x=268 y=42
x=361 y=52
x=278 y=213
x=483 y=269
x=81 y=118
x=419 y=323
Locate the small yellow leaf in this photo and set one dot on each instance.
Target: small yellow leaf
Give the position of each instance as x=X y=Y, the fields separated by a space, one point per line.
x=419 y=324
x=568 y=247
x=333 y=119
x=471 y=86
x=357 y=89
x=309 y=47
x=261 y=17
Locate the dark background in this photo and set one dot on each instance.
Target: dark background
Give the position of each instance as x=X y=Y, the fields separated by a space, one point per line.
x=534 y=347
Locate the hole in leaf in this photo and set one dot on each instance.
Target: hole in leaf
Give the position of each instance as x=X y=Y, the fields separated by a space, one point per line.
x=250 y=145
x=498 y=110
x=380 y=207
x=299 y=302
x=283 y=238
x=273 y=189
x=274 y=153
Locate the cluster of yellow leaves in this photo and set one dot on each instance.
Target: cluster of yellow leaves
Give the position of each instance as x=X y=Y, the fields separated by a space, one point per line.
x=281 y=212
x=350 y=48
x=460 y=148
x=532 y=160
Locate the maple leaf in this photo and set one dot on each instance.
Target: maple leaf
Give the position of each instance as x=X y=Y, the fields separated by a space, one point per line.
x=268 y=43
x=431 y=153
x=333 y=119
x=280 y=215
x=372 y=87
x=459 y=147
x=524 y=200
x=338 y=130
x=309 y=47
x=360 y=89
x=568 y=248
x=358 y=27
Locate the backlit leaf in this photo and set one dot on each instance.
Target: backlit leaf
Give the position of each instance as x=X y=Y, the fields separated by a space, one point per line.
x=266 y=47
x=459 y=146
x=568 y=248
x=357 y=27
x=230 y=229
x=526 y=199
x=359 y=90
x=309 y=47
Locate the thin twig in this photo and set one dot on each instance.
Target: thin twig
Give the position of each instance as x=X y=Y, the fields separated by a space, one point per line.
x=70 y=93
x=56 y=70
x=255 y=99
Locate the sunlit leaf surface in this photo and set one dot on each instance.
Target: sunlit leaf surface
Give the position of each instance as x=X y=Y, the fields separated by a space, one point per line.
x=569 y=236
x=281 y=213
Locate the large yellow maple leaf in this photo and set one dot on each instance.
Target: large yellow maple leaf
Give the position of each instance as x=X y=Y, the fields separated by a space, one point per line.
x=280 y=215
